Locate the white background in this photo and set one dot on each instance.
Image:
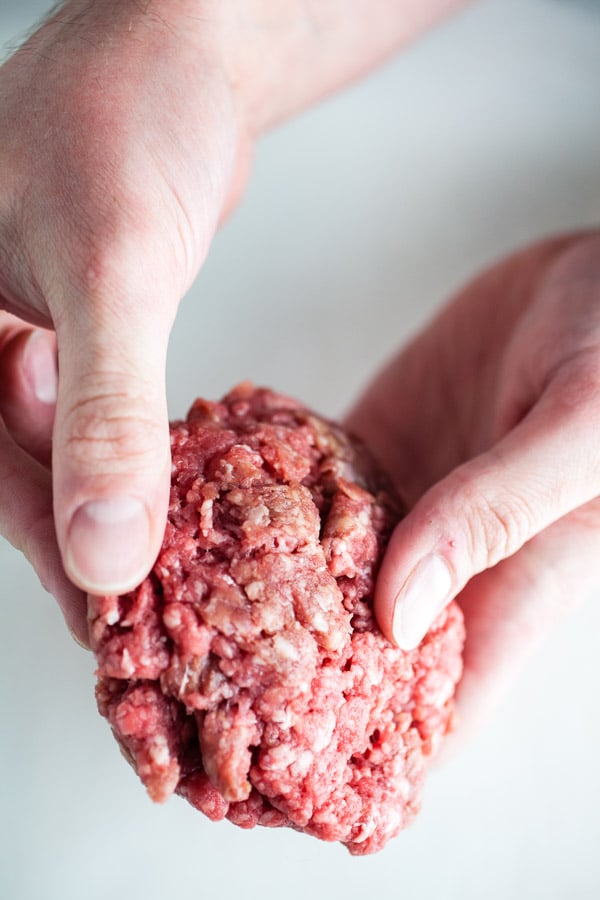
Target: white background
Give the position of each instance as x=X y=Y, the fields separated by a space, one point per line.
x=361 y=217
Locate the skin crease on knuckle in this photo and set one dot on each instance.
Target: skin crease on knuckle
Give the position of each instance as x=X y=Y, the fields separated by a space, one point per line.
x=102 y=431
x=476 y=527
x=495 y=529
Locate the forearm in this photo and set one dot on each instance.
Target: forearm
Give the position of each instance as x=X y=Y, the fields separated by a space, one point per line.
x=280 y=55
x=290 y=53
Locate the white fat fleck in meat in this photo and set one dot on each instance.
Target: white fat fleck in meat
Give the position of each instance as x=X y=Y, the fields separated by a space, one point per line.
x=206 y=517
x=172 y=617
x=302 y=764
x=285 y=648
x=319 y=622
x=258 y=516
x=127 y=666
x=111 y=611
x=255 y=590
x=184 y=679
x=373 y=673
x=325 y=733
x=158 y=751
x=327 y=596
x=364 y=830
x=363 y=519
x=270 y=618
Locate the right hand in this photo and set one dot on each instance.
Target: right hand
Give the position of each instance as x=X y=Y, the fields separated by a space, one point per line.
x=488 y=423
x=123 y=145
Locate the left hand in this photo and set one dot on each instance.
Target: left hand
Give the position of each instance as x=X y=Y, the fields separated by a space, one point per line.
x=488 y=422
x=125 y=140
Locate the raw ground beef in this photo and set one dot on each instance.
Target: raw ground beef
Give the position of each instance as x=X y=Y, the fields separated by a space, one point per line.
x=247 y=673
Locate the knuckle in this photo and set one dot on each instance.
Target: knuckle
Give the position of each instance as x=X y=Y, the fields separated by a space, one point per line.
x=496 y=528
x=114 y=431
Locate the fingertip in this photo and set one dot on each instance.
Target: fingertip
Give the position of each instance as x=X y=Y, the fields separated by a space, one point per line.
x=28 y=363
x=40 y=365
x=417 y=580
x=28 y=388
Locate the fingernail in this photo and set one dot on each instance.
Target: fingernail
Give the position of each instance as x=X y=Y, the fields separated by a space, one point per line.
x=421 y=598
x=107 y=546
x=39 y=361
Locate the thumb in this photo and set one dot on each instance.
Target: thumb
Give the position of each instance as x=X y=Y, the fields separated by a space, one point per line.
x=111 y=458
x=485 y=511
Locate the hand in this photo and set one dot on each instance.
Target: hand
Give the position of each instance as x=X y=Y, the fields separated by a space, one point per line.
x=122 y=146
x=126 y=134
x=489 y=424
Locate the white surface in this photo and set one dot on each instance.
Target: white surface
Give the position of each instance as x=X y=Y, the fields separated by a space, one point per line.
x=360 y=218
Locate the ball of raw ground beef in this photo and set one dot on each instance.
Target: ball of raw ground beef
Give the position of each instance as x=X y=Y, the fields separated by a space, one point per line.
x=247 y=672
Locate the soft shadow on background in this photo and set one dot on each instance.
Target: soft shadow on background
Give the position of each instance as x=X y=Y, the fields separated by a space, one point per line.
x=361 y=217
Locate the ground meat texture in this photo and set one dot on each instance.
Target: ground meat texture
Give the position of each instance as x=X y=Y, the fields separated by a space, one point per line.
x=247 y=673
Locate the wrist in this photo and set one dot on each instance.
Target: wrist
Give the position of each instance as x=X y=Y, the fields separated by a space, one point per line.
x=283 y=55
x=204 y=38
x=278 y=56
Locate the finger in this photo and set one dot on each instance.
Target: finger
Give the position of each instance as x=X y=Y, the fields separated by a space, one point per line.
x=28 y=387
x=26 y=520
x=111 y=455
x=510 y=610
x=487 y=509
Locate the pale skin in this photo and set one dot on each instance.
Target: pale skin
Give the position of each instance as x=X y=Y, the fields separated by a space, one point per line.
x=135 y=123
